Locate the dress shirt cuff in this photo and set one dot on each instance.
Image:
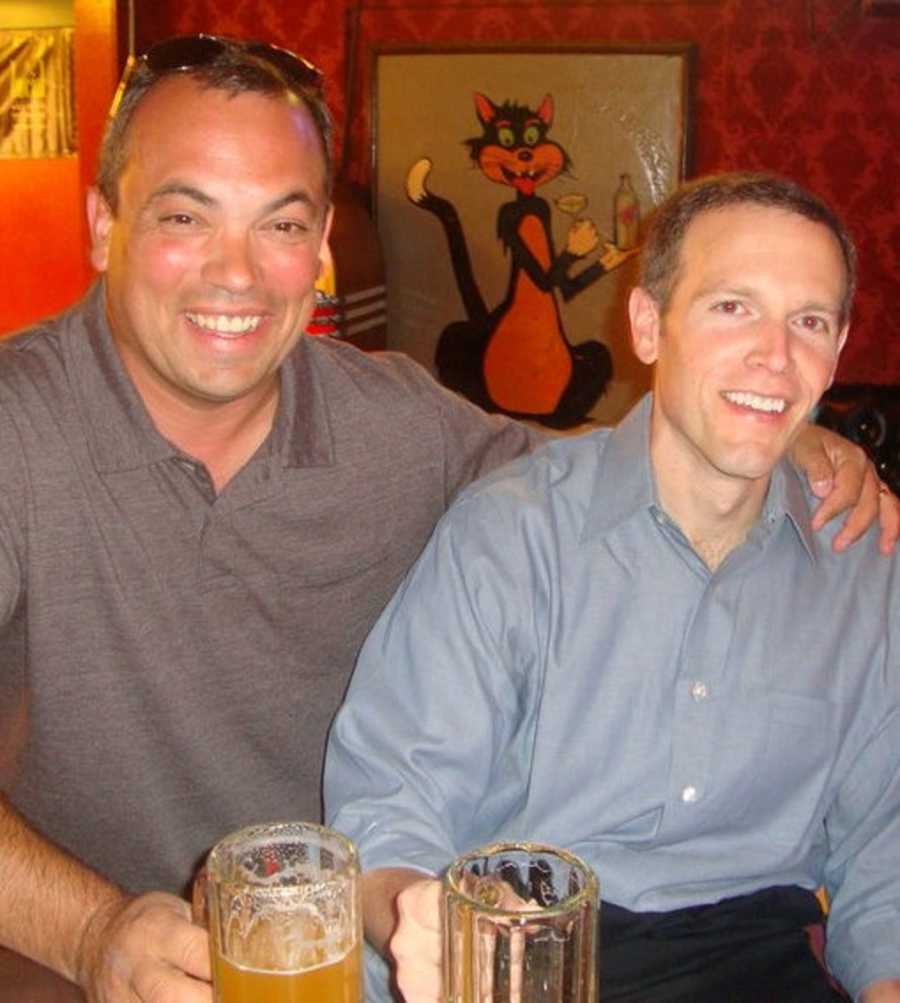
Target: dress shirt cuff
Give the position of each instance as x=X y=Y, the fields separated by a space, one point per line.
x=380 y=846
x=870 y=955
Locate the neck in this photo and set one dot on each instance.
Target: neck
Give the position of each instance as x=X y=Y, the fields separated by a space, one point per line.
x=715 y=511
x=223 y=435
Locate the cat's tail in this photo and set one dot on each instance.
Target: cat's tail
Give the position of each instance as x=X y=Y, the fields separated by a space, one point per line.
x=416 y=189
x=418 y=193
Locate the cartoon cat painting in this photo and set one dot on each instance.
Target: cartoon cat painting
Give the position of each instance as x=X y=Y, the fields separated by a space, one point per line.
x=516 y=358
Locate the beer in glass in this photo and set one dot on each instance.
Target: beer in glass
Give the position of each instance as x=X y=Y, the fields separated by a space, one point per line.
x=284 y=916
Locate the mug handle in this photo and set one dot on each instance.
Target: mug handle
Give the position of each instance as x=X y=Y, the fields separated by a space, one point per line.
x=199 y=899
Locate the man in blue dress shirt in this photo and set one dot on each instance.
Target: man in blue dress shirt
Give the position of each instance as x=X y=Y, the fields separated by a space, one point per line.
x=631 y=644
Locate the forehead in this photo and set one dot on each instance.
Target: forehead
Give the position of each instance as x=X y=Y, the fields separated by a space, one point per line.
x=243 y=139
x=737 y=242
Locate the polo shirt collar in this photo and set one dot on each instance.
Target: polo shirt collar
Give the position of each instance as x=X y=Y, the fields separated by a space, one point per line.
x=122 y=433
x=624 y=483
x=303 y=435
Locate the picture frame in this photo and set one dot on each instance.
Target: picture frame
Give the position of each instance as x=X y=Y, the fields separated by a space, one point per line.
x=617 y=110
x=891 y=7
x=37 y=93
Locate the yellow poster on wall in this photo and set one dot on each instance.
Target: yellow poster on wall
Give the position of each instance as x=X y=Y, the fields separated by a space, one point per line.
x=37 y=98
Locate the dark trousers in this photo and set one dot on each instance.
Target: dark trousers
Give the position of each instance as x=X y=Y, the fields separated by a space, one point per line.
x=753 y=949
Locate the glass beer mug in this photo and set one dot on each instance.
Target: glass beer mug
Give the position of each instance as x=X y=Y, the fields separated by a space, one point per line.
x=282 y=903
x=520 y=926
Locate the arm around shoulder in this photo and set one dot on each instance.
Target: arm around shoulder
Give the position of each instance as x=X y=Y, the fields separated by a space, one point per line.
x=475 y=442
x=843 y=477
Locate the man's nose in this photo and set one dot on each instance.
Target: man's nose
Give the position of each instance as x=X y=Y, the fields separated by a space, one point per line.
x=231 y=265
x=772 y=345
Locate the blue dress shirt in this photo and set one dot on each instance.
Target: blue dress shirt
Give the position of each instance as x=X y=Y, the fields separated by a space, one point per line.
x=561 y=666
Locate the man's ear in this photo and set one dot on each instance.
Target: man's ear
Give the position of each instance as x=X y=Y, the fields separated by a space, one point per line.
x=842 y=340
x=100 y=225
x=643 y=313
x=326 y=229
x=326 y=259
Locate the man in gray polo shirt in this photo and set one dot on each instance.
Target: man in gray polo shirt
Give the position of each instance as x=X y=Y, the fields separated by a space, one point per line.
x=201 y=516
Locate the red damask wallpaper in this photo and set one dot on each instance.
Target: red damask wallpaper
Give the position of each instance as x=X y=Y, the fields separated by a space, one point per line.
x=809 y=88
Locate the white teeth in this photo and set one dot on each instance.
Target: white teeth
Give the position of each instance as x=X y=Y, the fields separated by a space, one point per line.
x=223 y=323
x=755 y=401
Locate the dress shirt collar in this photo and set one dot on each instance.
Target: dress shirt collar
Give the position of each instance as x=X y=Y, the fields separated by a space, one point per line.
x=624 y=484
x=123 y=435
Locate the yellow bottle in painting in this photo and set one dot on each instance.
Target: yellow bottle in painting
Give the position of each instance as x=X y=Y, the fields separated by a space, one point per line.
x=626 y=215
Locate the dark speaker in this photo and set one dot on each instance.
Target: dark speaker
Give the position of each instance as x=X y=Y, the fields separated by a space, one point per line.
x=868 y=415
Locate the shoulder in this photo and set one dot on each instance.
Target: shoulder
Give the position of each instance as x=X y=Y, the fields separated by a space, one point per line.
x=377 y=375
x=32 y=359
x=393 y=386
x=37 y=337
x=860 y=580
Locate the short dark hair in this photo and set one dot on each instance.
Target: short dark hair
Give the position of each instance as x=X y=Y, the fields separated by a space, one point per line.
x=661 y=255
x=234 y=69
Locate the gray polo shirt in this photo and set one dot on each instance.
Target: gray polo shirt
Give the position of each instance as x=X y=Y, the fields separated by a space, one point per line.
x=170 y=659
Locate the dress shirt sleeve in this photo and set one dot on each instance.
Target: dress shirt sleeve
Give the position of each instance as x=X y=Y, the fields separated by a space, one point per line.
x=863 y=867
x=427 y=756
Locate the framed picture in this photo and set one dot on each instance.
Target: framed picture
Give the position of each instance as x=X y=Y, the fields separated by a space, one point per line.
x=509 y=186
x=37 y=103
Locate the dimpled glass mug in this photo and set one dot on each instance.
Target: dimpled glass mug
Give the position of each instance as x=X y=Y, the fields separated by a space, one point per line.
x=520 y=926
x=282 y=905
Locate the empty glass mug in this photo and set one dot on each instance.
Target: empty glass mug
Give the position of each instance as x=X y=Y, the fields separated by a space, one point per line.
x=282 y=904
x=520 y=926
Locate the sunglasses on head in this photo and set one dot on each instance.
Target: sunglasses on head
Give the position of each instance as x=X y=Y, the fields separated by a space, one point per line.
x=189 y=52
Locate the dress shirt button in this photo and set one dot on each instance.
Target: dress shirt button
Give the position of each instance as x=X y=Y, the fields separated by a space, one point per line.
x=689 y=794
x=699 y=690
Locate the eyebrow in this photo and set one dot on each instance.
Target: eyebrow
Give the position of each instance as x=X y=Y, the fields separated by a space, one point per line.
x=813 y=306
x=177 y=188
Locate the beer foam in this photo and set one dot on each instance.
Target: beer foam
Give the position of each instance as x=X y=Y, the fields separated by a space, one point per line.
x=329 y=960
x=286 y=936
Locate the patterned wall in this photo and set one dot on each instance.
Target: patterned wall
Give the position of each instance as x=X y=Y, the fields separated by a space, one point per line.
x=810 y=88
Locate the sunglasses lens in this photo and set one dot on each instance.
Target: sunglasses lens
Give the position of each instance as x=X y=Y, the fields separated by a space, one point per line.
x=292 y=67
x=189 y=51
x=183 y=53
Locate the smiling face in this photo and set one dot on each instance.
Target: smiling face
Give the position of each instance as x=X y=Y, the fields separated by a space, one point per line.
x=514 y=150
x=747 y=345
x=212 y=255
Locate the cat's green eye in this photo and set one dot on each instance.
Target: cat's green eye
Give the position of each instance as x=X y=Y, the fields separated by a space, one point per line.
x=507 y=137
x=532 y=135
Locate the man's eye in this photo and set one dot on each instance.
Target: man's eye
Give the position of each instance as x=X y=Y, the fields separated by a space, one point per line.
x=729 y=307
x=811 y=322
x=292 y=229
x=178 y=219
